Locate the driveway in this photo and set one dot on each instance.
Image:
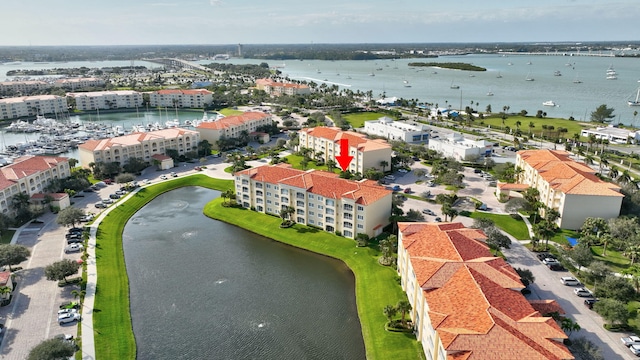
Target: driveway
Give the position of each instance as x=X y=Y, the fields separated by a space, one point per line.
x=548 y=286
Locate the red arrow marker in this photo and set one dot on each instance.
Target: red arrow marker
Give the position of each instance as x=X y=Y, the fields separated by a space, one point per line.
x=344 y=159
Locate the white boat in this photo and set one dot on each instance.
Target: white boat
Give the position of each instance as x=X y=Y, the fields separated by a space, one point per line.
x=549 y=103
x=499 y=76
x=557 y=73
x=529 y=78
x=454 y=86
x=635 y=102
x=490 y=93
x=577 y=80
x=611 y=77
x=406 y=83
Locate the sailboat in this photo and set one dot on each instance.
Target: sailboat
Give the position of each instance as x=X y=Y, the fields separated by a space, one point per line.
x=406 y=83
x=635 y=102
x=499 y=76
x=529 y=78
x=490 y=93
x=577 y=80
x=454 y=86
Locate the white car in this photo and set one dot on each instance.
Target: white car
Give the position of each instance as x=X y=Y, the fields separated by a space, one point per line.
x=390 y=177
x=582 y=292
x=404 y=171
x=548 y=261
x=631 y=340
x=569 y=281
x=68 y=318
x=164 y=177
x=635 y=349
x=107 y=201
x=67 y=311
x=73 y=248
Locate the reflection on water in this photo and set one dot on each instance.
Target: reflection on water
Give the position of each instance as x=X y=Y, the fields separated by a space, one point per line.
x=202 y=289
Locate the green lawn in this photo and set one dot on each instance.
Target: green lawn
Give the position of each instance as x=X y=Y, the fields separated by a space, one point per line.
x=516 y=227
x=495 y=121
x=111 y=319
x=294 y=161
x=230 y=112
x=357 y=119
x=376 y=285
x=7 y=236
x=614 y=259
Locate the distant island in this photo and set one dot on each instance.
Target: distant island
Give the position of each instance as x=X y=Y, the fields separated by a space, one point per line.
x=450 y=65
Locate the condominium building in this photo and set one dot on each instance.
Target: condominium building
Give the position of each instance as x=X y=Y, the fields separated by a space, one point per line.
x=79 y=83
x=121 y=99
x=570 y=187
x=319 y=198
x=397 y=130
x=20 y=87
x=195 y=98
x=30 y=175
x=325 y=143
x=460 y=148
x=138 y=145
x=466 y=303
x=275 y=88
x=31 y=106
x=232 y=126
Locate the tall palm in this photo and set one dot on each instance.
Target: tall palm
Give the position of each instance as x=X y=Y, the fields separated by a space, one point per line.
x=384 y=164
x=625 y=177
x=389 y=312
x=613 y=172
x=403 y=307
x=531 y=126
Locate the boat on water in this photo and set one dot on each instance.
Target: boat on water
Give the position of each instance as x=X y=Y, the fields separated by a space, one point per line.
x=549 y=103
x=611 y=73
x=499 y=76
x=490 y=93
x=611 y=77
x=509 y=63
x=406 y=83
x=454 y=86
x=635 y=102
x=577 y=80
x=529 y=78
x=557 y=73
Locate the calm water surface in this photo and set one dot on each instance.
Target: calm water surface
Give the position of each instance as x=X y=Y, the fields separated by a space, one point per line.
x=203 y=289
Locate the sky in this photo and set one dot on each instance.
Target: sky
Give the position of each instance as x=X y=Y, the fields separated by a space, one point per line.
x=218 y=22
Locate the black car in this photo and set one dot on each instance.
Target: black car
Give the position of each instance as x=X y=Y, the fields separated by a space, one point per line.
x=74 y=241
x=101 y=205
x=590 y=302
x=543 y=256
x=477 y=171
x=76 y=229
x=555 y=267
x=114 y=196
x=74 y=236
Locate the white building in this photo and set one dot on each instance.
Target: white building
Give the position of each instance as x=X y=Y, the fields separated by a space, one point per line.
x=31 y=106
x=397 y=130
x=19 y=87
x=466 y=303
x=79 y=83
x=195 y=98
x=138 y=145
x=325 y=143
x=30 y=175
x=460 y=148
x=121 y=99
x=613 y=134
x=319 y=198
x=572 y=188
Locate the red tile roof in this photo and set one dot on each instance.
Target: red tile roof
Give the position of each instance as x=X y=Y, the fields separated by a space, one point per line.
x=135 y=138
x=318 y=182
x=160 y=157
x=26 y=166
x=4 y=278
x=55 y=196
x=357 y=140
x=474 y=298
x=566 y=175
x=183 y=92
x=233 y=121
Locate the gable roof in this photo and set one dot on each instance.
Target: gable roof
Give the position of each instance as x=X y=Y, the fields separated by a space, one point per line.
x=474 y=298
x=135 y=138
x=568 y=176
x=233 y=121
x=26 y=166
x=357 y=140
x=318 y=182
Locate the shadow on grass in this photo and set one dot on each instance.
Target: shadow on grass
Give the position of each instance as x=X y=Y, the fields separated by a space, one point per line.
x=306 y=229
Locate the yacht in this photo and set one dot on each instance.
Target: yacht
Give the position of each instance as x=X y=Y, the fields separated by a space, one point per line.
x=490 y=93
x=454 y=86
x=557 y=73
x=406 y=83
x=549 y=103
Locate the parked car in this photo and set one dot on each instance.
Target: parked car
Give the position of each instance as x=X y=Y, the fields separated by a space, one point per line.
x=73 y=236
x=100 y=205
x=107 y=181
x=114 y=196
x=121 y=192
x=107 y=201
x=396 y=188
x=68 y=318
x=75 y=229
x=549 y=260
x=438 y=219
x=428 y=212
x=477 y=171
x=569 y=281
x=582 y=292
x=407 y=191
x=67 y=311
x=556 y=266
x=86 y=218
x=590 y=302
x=68 y=338
x=635 y=349
x=73 y=248
x=163 y=177
x=543 y=256
x=404 y=171
x=390 y=177
x=630 y=340
x=174 y=174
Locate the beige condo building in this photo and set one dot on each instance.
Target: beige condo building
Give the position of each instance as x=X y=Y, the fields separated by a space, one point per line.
x=232 y=126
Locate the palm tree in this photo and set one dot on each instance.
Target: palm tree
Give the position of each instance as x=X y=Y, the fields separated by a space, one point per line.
x=403 y=307
x=613 y=172
x=78 y=294
x=384 y=164
x=625 y=177
x=389 y=312
x=518 y=123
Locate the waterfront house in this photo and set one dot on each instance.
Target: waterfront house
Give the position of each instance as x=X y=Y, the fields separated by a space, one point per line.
x=319 y=198
x=324 y=143
x=466 y=303
x=138 y=145
x=193 y=99
x=570 y=187
x=275 y=88
x=30 y=175
x=232 y=127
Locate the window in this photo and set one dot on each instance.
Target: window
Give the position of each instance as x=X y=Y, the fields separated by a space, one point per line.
x=299 y=203
x=360 y=208
x=360 y=226
x=360 y=217
x=285 y=199
x=311 y=205
x=348 y=233
x=268 y=193
x=329 y=219
x=258 y=185
x=300 y=220
x=300 y=195
x=260 y=208
x=311 y=213
x=268 y=201
x=268 y=186
x=347 y=216
x=330 y=202
x=347 y=225
x=284 y=192
x=320 y=215
x=311 y=222
x=330 y=212
x=348 y=207
x=320 y=207
x=300 y=212
x=311 y=196
x=259 y=193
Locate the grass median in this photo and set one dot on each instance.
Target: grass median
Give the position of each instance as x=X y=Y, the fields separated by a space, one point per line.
x=111 y=318
x=376 y=285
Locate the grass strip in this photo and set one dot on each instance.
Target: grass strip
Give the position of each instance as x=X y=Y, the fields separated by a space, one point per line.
x=515 y=227
x=376 y=285
x=111 y=318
